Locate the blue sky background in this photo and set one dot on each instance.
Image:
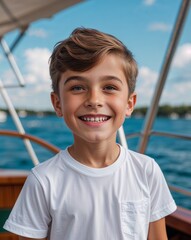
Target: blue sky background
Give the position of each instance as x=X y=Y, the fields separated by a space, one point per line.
x=143 y=25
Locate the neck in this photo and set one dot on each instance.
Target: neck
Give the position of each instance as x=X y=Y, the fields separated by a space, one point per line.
x=95 y=155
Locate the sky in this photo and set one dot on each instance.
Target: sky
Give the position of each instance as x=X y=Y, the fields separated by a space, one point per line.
x=144 y=26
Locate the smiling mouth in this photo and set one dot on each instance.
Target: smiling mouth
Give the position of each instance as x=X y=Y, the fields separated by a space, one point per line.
x=94 y=118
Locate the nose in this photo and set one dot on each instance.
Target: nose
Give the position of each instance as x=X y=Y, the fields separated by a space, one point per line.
x=94 y=99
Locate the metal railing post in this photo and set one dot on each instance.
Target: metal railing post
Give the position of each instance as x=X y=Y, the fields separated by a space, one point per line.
x=12 y=62
x=152 y=111
x=122 y=137
x=18 y=123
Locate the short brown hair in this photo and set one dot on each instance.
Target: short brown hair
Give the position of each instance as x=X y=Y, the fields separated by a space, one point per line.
x=84 y=49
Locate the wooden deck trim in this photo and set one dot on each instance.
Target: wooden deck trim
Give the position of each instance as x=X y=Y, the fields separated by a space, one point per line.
x=180 y=220
x=11 y=183
x=8 y=236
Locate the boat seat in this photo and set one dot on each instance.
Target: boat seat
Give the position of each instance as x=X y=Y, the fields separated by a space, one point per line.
x=11 y=183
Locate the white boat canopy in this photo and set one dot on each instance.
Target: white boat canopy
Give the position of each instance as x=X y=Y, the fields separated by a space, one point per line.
x=18 y=14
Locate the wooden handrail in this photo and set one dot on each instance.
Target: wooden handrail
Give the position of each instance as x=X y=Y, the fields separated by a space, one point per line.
x=37 y=140
x=55 y=149
x=180 y=220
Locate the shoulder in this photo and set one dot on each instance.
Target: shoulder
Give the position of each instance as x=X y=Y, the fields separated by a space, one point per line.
x=140 y=160
x=142 y=165
x=50 y=168
x=139 y=156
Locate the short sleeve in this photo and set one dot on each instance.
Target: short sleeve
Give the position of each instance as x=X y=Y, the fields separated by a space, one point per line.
x=162 y=203
x=30 y=215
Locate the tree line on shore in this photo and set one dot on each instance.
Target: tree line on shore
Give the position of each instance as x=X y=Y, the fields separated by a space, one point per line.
x=163 y=111
x=166 y=110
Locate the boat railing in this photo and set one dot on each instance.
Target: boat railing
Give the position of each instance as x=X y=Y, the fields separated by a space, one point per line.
x=171 y=49
x=21 y=83
x=151 y=114
x=30 y=137
x=55 y=149
x=159 y=133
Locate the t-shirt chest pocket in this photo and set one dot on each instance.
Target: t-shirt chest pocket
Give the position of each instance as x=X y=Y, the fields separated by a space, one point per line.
x=135 y=219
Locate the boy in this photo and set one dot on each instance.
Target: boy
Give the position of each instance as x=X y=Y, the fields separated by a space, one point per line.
x=95 y=189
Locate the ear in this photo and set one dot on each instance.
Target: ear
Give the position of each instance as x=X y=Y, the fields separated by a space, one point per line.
x=56 y=103
x=131 y=104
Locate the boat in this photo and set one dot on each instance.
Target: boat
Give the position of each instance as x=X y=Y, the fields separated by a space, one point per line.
x=22 y=113
x=188 y=116
x=173 y=116
x=3 y=116
x=178 y=223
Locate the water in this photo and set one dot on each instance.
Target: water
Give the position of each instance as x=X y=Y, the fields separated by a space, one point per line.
x=173 y=155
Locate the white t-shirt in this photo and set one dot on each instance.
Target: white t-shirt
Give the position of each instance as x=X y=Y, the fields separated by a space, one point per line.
x=66 y=200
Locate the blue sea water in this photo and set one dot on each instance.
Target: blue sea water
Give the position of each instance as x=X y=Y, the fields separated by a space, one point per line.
x=172 y=155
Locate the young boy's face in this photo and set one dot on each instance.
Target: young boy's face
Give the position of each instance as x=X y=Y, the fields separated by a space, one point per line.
x=94 y=103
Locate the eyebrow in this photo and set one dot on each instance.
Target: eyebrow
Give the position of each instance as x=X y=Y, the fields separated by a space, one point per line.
x=79 y=78
x=74 y=78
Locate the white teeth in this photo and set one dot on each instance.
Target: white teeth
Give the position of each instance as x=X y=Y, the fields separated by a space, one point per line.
x=96 y=119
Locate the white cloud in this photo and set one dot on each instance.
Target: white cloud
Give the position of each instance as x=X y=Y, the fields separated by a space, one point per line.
x=37 y=77
x=43 y=88
x=37 y=66
x=174 y=93
x=177 y=93
x=145 y=86
x=36 y=93
x=159 y=26
x=29 y=98
x=41 y=33
x=178 y=88
x=149 y=2
x=9 y=78
x=182 y=56
x=37 y=90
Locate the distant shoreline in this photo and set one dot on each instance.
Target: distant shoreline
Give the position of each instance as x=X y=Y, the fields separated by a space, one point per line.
x=182 y=111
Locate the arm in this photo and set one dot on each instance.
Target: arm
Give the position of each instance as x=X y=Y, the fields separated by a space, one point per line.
x=157 y=230
x=25 y=238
